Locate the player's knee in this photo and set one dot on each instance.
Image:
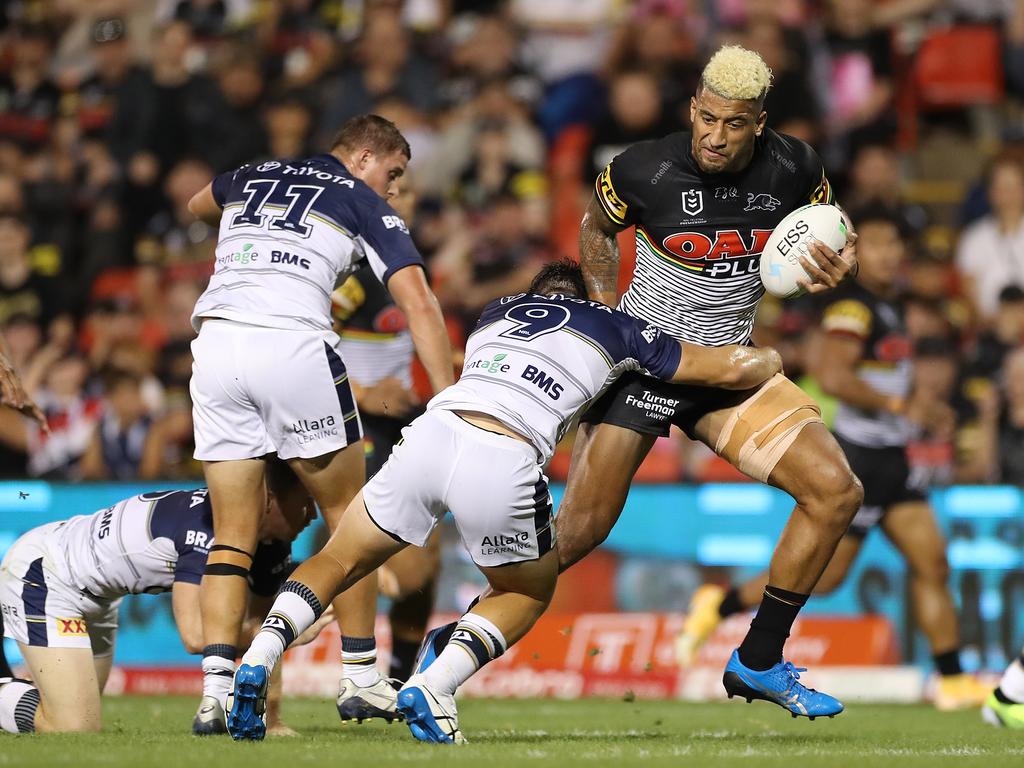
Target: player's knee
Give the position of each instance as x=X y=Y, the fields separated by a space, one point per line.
x=933 y=569
x=835 y=494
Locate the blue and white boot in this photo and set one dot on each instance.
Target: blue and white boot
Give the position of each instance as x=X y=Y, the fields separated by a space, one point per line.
x=430 y=715
x=433 y=643
x=779 y=685
x=248 y=703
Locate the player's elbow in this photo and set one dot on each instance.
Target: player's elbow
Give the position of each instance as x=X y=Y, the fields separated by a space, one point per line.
x=195 y=206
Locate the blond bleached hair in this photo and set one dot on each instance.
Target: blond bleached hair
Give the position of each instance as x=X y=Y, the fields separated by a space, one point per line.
x=737 y=73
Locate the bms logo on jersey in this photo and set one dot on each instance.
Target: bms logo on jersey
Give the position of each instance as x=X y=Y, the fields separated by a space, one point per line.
x=729 y=253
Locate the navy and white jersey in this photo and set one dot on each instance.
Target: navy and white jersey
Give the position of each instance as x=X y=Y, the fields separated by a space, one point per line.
x=536 y=362
x=290 y=233
x=147 y=542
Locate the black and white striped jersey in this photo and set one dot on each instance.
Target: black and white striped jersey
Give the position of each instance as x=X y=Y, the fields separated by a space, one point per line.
x=699 y=236
x=885 y=363
x=375 y=339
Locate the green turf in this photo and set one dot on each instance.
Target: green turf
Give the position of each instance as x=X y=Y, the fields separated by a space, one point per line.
x=154 y=732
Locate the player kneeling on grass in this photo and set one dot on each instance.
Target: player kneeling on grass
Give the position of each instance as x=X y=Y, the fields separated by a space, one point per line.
x=534 y=362
x=61 y=585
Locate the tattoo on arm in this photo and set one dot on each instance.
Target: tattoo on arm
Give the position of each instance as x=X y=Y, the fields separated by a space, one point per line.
x=599 y=253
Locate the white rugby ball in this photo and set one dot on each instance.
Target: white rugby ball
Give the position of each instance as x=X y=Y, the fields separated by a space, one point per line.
x=780 y=259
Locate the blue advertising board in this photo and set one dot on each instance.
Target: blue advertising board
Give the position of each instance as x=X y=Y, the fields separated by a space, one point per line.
x=668 y=540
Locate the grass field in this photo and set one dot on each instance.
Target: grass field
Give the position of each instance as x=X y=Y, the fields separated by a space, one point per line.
x=154 y=732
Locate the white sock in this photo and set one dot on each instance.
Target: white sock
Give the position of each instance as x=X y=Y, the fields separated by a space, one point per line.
x=475 y=642
x=19 y=700
x=1012 y=681
x=293 y=612
x=218 y=672
x=359 y=660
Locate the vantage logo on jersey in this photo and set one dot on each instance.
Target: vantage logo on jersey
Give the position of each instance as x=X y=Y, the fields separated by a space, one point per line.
x=729 y=254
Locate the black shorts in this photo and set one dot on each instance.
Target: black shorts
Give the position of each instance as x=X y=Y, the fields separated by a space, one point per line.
x=650 y=406
x=380 y=433
x=885 y=475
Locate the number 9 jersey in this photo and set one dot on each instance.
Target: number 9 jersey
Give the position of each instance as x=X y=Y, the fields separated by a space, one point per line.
x=536 y=362
x=290 y=233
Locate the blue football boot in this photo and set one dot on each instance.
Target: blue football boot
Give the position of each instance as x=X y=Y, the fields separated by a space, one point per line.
x=434 y=642
x=430 y=715
x=248 y=703
x=779 y=685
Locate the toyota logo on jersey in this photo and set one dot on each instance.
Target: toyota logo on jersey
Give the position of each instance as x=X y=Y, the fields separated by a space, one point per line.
x=728 y=254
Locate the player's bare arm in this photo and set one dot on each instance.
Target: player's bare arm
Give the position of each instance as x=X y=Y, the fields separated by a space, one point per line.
x=599 y=253
x=837 y=374
x=204 y=206
x=187 y=616
x=730 y=367
x=12 y=391
x=409 y=288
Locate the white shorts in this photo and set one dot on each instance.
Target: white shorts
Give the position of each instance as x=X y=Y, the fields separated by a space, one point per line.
x=491 y=483
x=262 y=390
x=41 y=610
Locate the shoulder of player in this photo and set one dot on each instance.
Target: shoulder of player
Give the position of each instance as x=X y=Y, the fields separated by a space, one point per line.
x=643 y=159
x=176 y=514
x=790 y=154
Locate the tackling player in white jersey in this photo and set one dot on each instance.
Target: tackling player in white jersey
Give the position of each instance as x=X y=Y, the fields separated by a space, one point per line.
x=61 y=585
x=267 y=375
x=533 y=364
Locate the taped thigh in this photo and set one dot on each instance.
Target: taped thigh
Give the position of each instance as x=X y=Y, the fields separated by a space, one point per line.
x=761 y=429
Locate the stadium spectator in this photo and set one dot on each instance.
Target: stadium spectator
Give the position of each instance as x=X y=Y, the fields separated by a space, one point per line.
x=289 y=123
x=565 y=43
x=858 y=75
x=29 y=97
x=990 y=255
x=635 y=113
x=23 y=290
x=242 y=134
x=385 y=64
x=118 y=442
x=1011 y=421
x=661 y=38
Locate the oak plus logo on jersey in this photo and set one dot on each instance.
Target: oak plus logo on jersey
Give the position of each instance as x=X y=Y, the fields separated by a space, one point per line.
x=490 y=365
x=728 y=253
x=311 y=430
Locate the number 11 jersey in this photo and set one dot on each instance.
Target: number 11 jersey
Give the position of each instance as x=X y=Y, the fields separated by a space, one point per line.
x=290 y=233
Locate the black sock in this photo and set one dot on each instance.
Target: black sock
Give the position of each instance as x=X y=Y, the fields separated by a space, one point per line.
x=948 y=663
x=762 y=647
x=730 y=603
x=403 y=655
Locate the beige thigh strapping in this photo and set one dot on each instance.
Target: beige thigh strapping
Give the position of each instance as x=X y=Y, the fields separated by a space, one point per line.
x=761 y=429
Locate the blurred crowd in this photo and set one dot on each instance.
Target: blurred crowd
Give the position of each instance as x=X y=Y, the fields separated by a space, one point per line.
x=113 y=113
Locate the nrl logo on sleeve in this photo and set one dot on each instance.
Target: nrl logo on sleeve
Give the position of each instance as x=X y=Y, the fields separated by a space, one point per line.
x=693 y=202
